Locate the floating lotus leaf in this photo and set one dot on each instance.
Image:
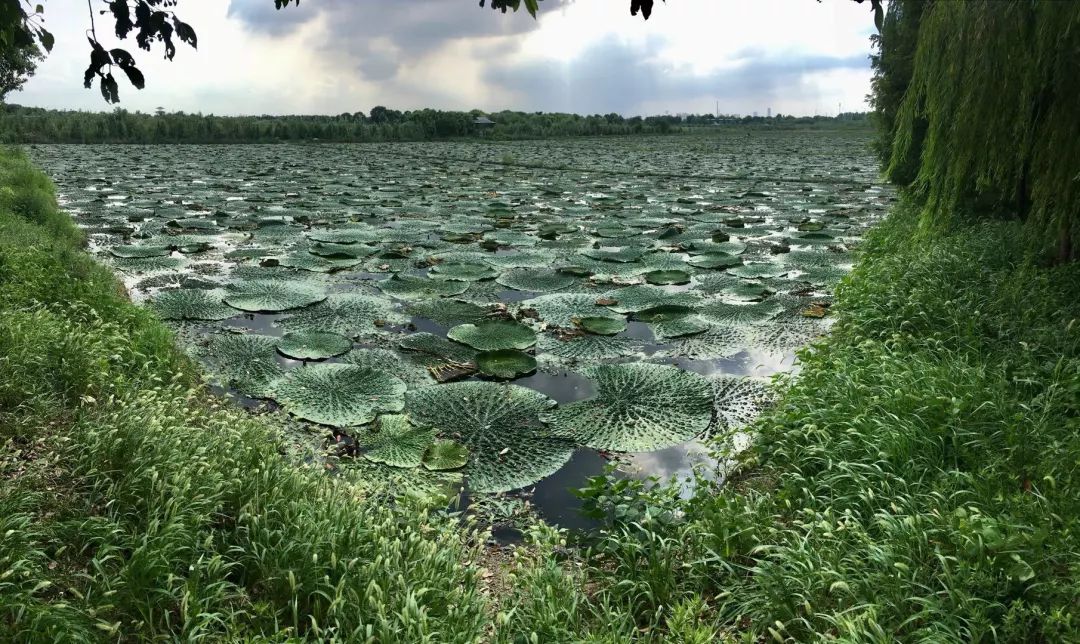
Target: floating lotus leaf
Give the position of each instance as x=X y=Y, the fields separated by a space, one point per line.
x=713 y=343
x=725 y=313
x=521 y=259
x=505 y=363
x=493 y=335
x=621 y=255
x=668 y=322
x=411 y=287
x=499 y=424
x=339 y=395
x=632 y=299
x=738 y=401
x=448 y=312
x=822 y=275
x=317 y=264
x=745 y=291
x=350 y=314
x=147 y=264
x=715 y=260
x=638 y=408
x=575 y=271
x=463 y=272
x=341 y=251
x=537 y=281
x=758 y=270
x=560 y=309
x=601 y=325
x=313 y=345
x=667 y=277
x=586 y=346
x=408 y=368
x=444 y=454
x=438 y=347
x=140 y=251
x=787 y=335
x=710 y=247
x=245 y=362
x=346 y=235
x=393 y=440
x=272 y=295
x=191 y=304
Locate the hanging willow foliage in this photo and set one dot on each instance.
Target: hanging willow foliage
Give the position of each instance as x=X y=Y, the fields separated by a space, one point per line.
x=988 y=125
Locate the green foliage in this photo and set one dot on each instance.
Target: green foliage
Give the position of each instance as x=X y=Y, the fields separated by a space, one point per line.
x=985 y=131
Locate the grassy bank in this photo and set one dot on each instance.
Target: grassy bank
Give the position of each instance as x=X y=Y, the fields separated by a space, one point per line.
x=917 y=481
x=134 y=507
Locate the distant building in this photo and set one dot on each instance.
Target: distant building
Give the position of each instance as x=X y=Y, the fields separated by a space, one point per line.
x=483 y=122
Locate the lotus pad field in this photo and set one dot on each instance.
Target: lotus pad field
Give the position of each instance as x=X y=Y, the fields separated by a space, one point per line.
x=449 y=312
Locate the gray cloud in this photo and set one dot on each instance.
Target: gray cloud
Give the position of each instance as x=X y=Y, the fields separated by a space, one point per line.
x=612 y=76
x=412 y=29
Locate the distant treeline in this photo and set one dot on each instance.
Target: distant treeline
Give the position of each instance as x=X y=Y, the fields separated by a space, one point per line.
x=37 y=125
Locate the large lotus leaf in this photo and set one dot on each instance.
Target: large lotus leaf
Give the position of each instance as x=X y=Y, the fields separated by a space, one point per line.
x=313 y=345
x=664 y=261
x=350 y=314
x=601 y=325
x=346 y=235
x=411 y=287
x=494 y=335
x=534 y=280
x=667 y=322
x=722 y=312
x=506 y=364
x=560 y=309
x=787 y=335
x=709 y=247
x=738 y=401
x=445 y=454
x=409 y=368
x=586 y=347
x=665 y=277
x=273 y=295
x=305 y=261
x=140 y=252
x=191 y=304
x=462 y=272
x=822 y=275
x=716 y=260
x=632 y=299
x=622 y=255
x=393 y=440
x=341 y=251
x=747 y=291
x=509 y=446
x=713 y=343
x=638 y=408
x=339 y=395
x=448 y=312
x=438 y=347
x=147 y=264
x=521 y=259
x=247 y=363
x=758 y=270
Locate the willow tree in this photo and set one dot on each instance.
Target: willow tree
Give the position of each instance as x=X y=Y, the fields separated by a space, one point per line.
x=988 y=124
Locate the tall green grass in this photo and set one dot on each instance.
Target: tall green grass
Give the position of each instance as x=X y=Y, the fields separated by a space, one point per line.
x=917 y=482
x=134 y=507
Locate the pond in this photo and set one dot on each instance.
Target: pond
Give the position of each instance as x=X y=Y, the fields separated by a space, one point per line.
x=498 y=317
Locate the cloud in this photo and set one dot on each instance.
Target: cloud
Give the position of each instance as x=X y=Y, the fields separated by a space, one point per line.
x=612 y=75
x=379 y=38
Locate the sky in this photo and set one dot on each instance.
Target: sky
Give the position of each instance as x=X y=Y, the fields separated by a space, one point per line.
x=798 y=57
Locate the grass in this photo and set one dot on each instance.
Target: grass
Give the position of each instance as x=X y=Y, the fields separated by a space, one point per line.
x=135 y=507
x=916 y=482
